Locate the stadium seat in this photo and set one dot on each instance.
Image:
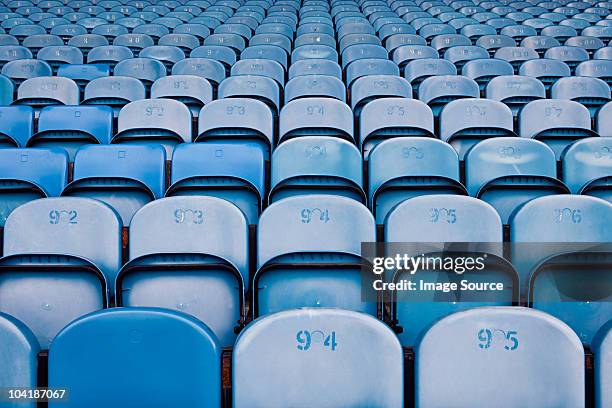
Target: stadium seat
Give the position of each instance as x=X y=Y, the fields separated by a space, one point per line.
x=6 y=90
x=109 y=55
x=19 y=356
x=403 y=54
x=461 y=54
x=547 y=71
x=590 y=92
x=87 y=42
x=177 y=262
x=145 y=343
x=58 y=55
x=506 y=172
x=589 y=44
x=603 y=123
x=492 y=43
x=596 y=69
x=211 y=69
x=316 y=165
x=163 y=122
x=82 y=74
x=388 y=117
x=317 y=261
x=258 y=87
x=70 y=127
x=322 y=344
x=315 y=67
x=44 y=91
x=60 y=255
x=516 y=55
x=124 y=177
x=147 y=70
x=439 y=90
x=603 y=355
x=436 y=221
x=464 y=122
x=484 y=342
x=416 y=71
x=515 y=91
x=305 y=86
x=20 y=70
x=572 y=56
x=270 y=52
x=193 y=91
x=372 y=87
x=565 y=122
x=114 y=91
x=135 y=42
x=587 y=167
x=39 y=41
x=166 y=54
x=484 y=70
x=262 y=67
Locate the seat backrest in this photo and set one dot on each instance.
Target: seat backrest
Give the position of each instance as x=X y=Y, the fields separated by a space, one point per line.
x=323 y=116
x=210 y=69
x=325 y=341
x=96 y=122
x=145 y=69
x=164 y=115
x=56 y=90
x=313 y=86
x=18 y=356
x=120 y=90
x=145 y=343
x=16 y=126
x=45 y=168
x=602 y=348
x=585 y=162
x=485 y=349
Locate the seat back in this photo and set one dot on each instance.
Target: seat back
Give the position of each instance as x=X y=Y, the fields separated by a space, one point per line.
x=115 y=91
x=481 y=344
x=324 y=341
x=602 y=347
x=587 y=166
x=145 y=343
x=16 y=126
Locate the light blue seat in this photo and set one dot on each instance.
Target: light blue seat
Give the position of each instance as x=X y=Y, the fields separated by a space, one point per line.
x=185 y=42
x=323 y=341
x=465 y=122
x=269 y=52
x=316 y=165
x=87 y=42
x=160 y=351
x=16 y=126
x=395 y=41
x=70 y=127
x=461 y=54
x=515 y=91
x=506 y=172
x=6 y=91
x=163 y=122
x=587 y=167
x=30 y=174
x=404 y=54
x=371 y=87
x=113 y=91
x=316 y=261
x=256 y=86
x=590 y=92
x=604 y=53
x=403 y=168
x=475 y=31
x=276 y=39
x=38 y=41
x=572 y=56
x=147 y=70
x=305 y=86
x=596 y=69
x=234 y=41
x=315 y=67
x=57 y=55
x=59 y=254
x=7 y=39
x=565 y=219
x=358 y=39
x=211 y=69
x=44 y=91
x=564 y=123
x=518 y=31
x=124 y=177
x=387 y=118
x=442 y=42
x=178 y=262
x=417 y=70
x=439 y=90
x=109 y=54
x=306 y=52
x=484 y=70
x=484 y=342
x=316 y=116
x=82 y=74
x=67 y=31
x=135 y=42
x=589 y=44
x=540 y=43
x=602 y=349
x=193 y=91
x=231 y=171
x=516 y=55
x=199 y=31
x=262 y=67
x=492 y=43
x=603 y=124
x=547 y=71
x=166 y=54
x=19 y=356
x=559 y=32
x=237 y=120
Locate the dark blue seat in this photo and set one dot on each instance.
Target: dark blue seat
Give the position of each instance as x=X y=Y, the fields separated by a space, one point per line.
x=59 y=255
x=317 y=263
x=6 y=91
x=82 y=74
x=144 y=342
x=317 y=346
x=587 y=167
x=19 y=354
x=484 y=341
x=114 y=92
x=178 y=262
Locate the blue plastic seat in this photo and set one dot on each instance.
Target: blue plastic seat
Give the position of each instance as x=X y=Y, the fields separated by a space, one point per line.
x=399 y=169
x=258 y=87
x=604 y=120
x=191 y=90
x=601 y=346
x=114 y=91
x=314 y=86
x=70 y=127
x=163 y=122
x=516 y=55
x=82 y=74
x=604 y=53
x=233 y=41
x=38 y=41
x=559 y=32
x=587 y=168
x=147 y=70
x=13 y=52
x=459 y=55
x=548 y=71
x=7 y=90
x=166 y=54
x=540 y=43
x=306 y=52
x=590 y=92
x=43 y=91
x=19 y=356
x=317 y=347
x=316 y=116
x=180 y=251
x=7 y=39
x=572 y=56
x=565 y=122
x=465 y=122
x=404 y=54
x=371 y=87
x=518 y=31
x=276 y=39
x=269 y=52
x=20 y=70
x=318 y=255
x=439 y=90
x=596 y=69
x=316 y=165
x=72 y=248
x=261 y=67
x=589 y=44
x=484 y=70
x=515 y=91
x=109 y=55
x=211 y=69
x=559 y=285
x=417 y=70
x=475 y=31
x=144 y=341
x=277 y=28
x=483 y=342
x=199 y=31
x=507 y=172
x=124 y=177
x=436 y=220
x=395 y=41
x=135 y=42
x=86 y=42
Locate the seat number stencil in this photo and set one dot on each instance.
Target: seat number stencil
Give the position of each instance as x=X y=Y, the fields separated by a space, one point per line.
x=448 y=215
x=187 y=215
x=489 y=337
x=309 y=215
x=57 y=216
x=307 y=339
x=567 y=215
